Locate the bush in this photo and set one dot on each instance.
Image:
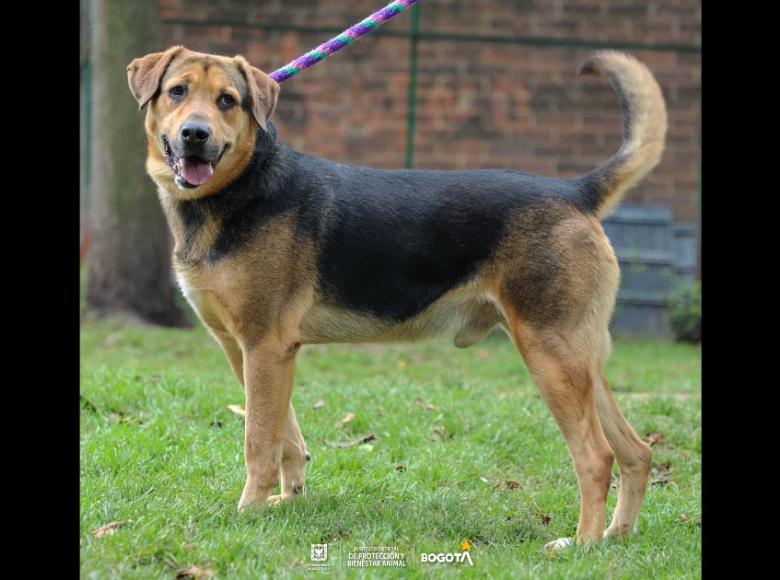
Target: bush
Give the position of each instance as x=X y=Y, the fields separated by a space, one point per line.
x=685 y=313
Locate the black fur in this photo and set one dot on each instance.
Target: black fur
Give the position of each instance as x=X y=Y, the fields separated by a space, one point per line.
x=389 y=242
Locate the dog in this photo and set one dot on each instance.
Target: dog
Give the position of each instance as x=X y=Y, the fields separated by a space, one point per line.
x=275 y=249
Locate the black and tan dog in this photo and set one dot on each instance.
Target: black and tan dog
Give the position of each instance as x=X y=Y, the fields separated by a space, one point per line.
x=275 y=249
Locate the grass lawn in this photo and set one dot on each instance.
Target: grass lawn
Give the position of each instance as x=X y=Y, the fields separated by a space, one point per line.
x=160 y=449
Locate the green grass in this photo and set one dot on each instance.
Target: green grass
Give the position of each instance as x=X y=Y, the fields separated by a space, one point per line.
x=160 y=449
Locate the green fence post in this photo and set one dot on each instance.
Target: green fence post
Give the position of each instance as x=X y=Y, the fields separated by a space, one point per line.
x=412 y=94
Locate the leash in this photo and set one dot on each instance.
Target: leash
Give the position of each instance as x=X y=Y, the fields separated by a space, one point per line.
x=346 y=38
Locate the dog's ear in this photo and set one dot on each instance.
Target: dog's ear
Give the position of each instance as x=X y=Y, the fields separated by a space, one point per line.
x=144 y=74
x=263 y=92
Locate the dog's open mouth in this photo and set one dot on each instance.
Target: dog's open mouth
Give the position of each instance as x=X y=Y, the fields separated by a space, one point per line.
x=190 y=171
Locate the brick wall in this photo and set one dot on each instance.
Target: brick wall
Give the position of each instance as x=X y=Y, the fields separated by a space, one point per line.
x=512 y=102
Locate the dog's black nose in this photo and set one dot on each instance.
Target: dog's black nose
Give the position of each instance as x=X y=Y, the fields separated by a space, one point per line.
x=194 y=132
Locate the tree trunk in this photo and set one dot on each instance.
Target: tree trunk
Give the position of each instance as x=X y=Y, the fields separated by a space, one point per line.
x=129 y=270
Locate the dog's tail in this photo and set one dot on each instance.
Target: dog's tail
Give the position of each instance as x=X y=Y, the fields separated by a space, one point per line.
x=644 y=130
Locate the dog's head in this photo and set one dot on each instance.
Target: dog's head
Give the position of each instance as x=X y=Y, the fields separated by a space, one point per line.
x=203 y=113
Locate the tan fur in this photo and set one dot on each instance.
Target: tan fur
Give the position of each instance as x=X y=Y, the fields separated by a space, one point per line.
x=460 y=312
x=566 y=354
x=263 y=92
x=641 y=151
x=260 y=302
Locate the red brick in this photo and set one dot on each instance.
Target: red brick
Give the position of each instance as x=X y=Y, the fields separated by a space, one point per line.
x=479 y=104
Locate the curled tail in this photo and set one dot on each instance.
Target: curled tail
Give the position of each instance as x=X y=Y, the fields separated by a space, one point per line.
x=644 y=130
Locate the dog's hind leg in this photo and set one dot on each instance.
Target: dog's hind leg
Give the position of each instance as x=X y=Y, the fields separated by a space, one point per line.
x=557 y=289
x=565 y=379
x=633 y=457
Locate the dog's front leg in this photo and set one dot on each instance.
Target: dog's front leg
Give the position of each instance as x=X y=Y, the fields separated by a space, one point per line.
x=294 y=459
x=268 y=374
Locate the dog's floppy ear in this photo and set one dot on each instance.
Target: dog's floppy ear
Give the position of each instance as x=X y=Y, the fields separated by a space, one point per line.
x=144 y=74
x=263 y=92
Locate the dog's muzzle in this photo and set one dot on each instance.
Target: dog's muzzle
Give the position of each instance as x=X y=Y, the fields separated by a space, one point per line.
x=192 y=156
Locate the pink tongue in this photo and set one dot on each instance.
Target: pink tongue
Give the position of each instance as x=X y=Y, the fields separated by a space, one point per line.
x=196 y=172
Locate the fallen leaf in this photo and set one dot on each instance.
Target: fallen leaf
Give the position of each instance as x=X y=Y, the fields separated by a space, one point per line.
x=654 y=438
x=358 y=441
x=117 y=417
x=482 y=479
x=426 y=406
x=659 y=475
x=439 y=433
x=319 y=404
x=546 y=520
x=684 y=518
x=88 y=404
x=400 y=467
x=347 y=419
x=512 y=484
x=108 y=529
x=237 y=410
x=193 y=572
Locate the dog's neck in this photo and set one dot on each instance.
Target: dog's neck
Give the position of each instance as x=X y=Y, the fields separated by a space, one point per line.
x=206 y=228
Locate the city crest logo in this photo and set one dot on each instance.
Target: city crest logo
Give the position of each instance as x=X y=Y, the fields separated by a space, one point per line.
x=319 y=552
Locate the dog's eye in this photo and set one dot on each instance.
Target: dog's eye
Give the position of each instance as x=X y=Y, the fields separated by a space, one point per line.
x=178 y=91
x=226 y=101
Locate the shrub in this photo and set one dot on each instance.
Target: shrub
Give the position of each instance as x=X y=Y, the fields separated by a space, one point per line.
x=685 y=313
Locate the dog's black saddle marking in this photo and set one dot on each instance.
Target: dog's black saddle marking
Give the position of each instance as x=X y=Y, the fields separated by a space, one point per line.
x=396 y=241
x=389 y=243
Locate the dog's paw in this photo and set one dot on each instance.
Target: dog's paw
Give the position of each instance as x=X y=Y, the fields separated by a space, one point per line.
x=558 y=545
x=296 y=491
x=253 y=497
x=257 y=503
x=276 y=499
x=615 y=532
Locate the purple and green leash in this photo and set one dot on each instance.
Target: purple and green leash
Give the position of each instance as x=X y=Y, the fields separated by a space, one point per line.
x=346 y=38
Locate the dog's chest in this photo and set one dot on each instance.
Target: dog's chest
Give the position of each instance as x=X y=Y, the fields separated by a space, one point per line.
x=210 y=297
x=193 y=296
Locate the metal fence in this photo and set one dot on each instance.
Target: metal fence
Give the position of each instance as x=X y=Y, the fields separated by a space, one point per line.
x=656 y=256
